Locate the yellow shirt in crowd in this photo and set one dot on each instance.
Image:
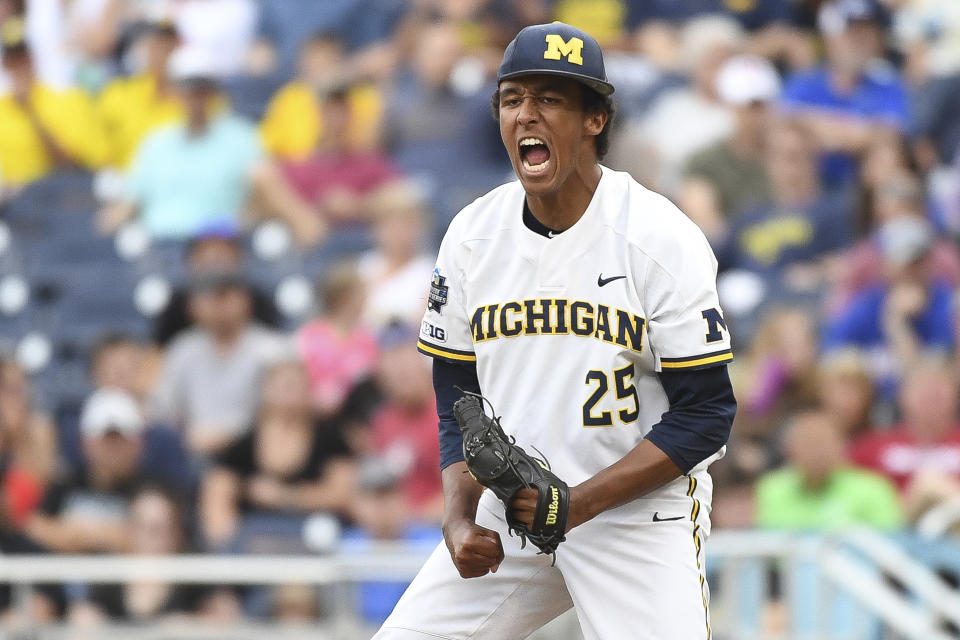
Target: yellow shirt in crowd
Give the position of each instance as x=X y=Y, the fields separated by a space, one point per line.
x=68 y=117
x=130 y=109
x=605 y=20
x=293 y=123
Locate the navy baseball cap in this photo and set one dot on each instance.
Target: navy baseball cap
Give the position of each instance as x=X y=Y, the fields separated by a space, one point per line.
x=556 y=49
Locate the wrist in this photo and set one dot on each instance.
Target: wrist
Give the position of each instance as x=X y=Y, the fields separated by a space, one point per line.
x=453 y=522
x=581 y=507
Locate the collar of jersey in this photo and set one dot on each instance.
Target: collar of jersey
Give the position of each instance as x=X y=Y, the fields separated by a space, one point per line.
x=572 y=241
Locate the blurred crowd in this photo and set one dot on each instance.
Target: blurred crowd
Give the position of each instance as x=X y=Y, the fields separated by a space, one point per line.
x=813 y=141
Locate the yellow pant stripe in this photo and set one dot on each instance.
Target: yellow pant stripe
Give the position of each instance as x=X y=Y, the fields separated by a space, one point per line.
x=694 y=512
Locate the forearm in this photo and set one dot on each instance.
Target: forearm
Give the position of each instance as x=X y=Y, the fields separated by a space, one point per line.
x=461 y=494
x=642 y=470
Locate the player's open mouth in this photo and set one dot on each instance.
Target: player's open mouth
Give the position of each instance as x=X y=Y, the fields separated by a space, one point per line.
x=534 y=154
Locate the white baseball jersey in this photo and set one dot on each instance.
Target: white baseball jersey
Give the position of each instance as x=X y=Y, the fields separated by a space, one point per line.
x=568 y=333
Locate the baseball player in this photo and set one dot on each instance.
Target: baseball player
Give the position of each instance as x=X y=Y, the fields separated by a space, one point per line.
x=584 y=308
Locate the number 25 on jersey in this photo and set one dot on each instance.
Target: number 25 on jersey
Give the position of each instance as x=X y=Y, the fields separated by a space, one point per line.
x=625 y=390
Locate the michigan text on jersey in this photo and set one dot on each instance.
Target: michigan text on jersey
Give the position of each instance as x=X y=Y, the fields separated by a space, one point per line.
x=558 y=316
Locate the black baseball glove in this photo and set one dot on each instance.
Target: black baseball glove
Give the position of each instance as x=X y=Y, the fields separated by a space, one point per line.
x=501 y=465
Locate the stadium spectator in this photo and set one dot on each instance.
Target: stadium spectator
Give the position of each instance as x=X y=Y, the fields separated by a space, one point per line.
x=886 y=158
x=845 y=391
x=855 y=95
x=404 y=429
x=440 y=133
x=295 y=124
x=119 y=361
x=817 y=490
x=382 y=514
x=28 y=447
x=336 y=177
x=787 y=241
x=685 y=120
x=190 y=175
x=925 y=33
x=780 y=371
x=133 y=106
x=777 y=377
x=861 y=266
x=210 y=375
x=295 y=604
x=218 y=247
x=288 y=464
x=927 y=439
x=906 y=314
x=339 y=351
x=156 y=525
x=87 y=510
x=396 y=272
x=728 y=177
x=41 y=128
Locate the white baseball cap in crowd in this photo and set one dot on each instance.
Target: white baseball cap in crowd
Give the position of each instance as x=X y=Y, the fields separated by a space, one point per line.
x=193 y=64
x=109 y=410
x=745 y=79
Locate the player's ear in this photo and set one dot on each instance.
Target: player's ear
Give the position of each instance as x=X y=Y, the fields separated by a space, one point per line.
x=594 y=122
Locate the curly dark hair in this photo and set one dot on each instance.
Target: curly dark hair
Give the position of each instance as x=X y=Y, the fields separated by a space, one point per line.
x=593 y=101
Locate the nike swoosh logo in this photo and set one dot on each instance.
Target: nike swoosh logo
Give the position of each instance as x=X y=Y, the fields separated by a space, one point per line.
x=657 y=518
x=601 y=281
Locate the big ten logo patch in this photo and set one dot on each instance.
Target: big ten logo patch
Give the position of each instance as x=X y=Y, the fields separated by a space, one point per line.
x=558 y=48
x=437 y=333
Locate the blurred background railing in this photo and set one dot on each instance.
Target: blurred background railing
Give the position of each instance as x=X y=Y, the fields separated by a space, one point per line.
x=851 y=586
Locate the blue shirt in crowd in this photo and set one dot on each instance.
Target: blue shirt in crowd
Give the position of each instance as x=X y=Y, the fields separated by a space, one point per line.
x=183 y=183
x=772 y=238
x=861 y=323
x=880 y=97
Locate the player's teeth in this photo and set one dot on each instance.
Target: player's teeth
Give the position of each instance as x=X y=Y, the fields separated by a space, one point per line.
x=536 y=167
x=526 y=142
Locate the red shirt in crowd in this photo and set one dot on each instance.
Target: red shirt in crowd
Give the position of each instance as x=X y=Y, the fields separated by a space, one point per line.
x=407 y=440
x=357 y=172
x=896 y=454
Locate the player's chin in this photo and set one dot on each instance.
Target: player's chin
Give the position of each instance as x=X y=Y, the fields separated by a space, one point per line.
x=535 y=179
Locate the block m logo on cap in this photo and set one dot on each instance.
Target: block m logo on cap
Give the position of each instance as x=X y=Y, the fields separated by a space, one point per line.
x=558 y=48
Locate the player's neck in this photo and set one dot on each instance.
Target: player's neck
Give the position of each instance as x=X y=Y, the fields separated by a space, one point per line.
x=561 y=209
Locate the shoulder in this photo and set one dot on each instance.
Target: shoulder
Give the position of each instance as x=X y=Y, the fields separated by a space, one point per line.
x=864 y=479
x=657 y=230
x=161 y=138
x=483 y=218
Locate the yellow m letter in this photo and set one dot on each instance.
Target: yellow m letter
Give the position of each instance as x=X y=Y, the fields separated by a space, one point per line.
x=557 y=48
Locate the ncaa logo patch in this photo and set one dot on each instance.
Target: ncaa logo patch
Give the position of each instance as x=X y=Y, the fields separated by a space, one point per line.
x=438 y=292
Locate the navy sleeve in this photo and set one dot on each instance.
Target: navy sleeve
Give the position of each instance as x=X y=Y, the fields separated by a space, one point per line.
x=702 y=406
x=447 y=376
